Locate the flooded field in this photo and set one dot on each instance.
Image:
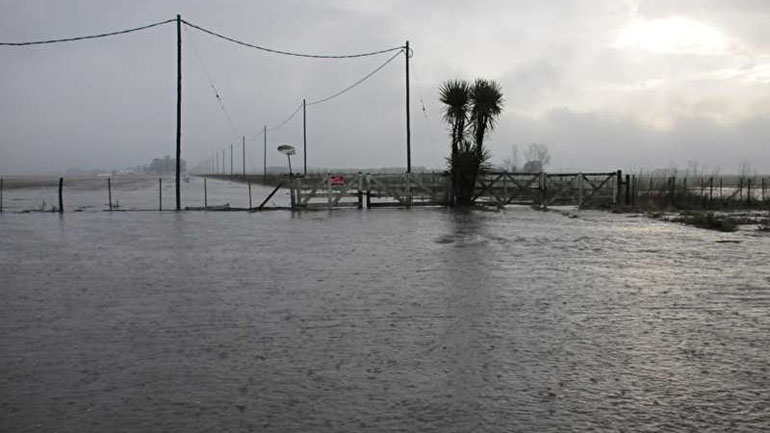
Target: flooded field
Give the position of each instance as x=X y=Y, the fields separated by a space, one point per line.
x=422 y=320
x=129 y=193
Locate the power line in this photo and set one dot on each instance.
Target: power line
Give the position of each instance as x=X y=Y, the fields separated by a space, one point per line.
x=291 y=116
x=211 y=83
x=350 y=87
x=289 y=53
x=80 y=38
x=328 y=98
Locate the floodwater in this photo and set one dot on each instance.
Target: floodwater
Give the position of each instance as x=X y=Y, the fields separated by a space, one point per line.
x=422 y=320
x=135 y=193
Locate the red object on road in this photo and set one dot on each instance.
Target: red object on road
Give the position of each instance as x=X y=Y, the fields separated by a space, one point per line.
x=337 y=181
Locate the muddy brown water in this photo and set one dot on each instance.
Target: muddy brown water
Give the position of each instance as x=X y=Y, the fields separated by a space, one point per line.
x=386 y=320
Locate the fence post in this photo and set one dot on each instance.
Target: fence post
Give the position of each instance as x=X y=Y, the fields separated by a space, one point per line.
x=740 y=190
x=685 y=190
x=329 y=190
x=649 y=190
x=618 y=185
x=711 y=189
x=543 y=193
x=673 y=191
x=360 y=191
x=748 y=191
x=250 y=194
x=580 y=190
x=205 y=194
x=160 y=193
x=368 y=191
x=628 y=189
x=720 y=188
x=61 y=196
x=109 y=192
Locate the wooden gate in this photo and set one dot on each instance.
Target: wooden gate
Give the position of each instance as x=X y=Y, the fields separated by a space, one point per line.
x=432 y=189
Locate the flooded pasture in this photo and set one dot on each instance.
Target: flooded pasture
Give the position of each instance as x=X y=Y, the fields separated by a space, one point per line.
x=384 y=320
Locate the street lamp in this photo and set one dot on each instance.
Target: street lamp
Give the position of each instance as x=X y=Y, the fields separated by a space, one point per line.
x=288 y=150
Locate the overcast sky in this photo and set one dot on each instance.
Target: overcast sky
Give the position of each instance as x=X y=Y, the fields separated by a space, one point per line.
x=634 y=84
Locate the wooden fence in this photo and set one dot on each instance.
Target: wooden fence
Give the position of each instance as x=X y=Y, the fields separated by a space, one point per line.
x=499 y=189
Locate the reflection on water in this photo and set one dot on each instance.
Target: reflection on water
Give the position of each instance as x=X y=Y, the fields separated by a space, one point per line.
x=383 y=320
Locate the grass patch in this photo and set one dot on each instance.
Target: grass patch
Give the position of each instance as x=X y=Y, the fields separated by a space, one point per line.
x=709 y=220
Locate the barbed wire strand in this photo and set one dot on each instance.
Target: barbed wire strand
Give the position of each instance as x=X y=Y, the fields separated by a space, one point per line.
x=289 y=53
x=80 y=38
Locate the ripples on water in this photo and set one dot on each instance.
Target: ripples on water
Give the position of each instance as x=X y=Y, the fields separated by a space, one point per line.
x=384 y=320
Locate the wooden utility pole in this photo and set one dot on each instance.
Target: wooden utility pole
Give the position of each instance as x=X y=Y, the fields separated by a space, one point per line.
x=304 y=134
x=61 y=196
x=264 y=154
x=178 y=109
x=408 y=127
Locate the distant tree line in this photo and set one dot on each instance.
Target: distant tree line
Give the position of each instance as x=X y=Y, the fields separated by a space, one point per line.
x=163 y=166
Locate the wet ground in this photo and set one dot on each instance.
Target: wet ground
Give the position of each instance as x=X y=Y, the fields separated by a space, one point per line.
x=385 y=320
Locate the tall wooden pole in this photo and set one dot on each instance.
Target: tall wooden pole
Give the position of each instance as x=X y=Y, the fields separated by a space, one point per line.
x=264 y=154
x=61 y=195
x=304 y=134
x=408 y=127
x=244 y=154
x=178 y=109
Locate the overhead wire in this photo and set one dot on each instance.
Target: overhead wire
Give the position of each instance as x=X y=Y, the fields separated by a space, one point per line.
x=350 y=87
x=400 y=49
x=289 y=53
x=291 y=116
x=211 y=84
x=330 y=97
x=80 y=38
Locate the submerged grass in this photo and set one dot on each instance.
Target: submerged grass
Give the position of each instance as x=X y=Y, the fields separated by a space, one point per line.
x=709 y=220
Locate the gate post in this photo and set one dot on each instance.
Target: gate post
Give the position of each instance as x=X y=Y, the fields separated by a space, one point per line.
x=368 y=191
x=580 y=190
x=292 y=192
x=618 y=185
x=360 y=191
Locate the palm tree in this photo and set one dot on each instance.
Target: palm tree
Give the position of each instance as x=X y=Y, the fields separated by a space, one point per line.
x=487 y=104
x=469 y=110
x=456 y=94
